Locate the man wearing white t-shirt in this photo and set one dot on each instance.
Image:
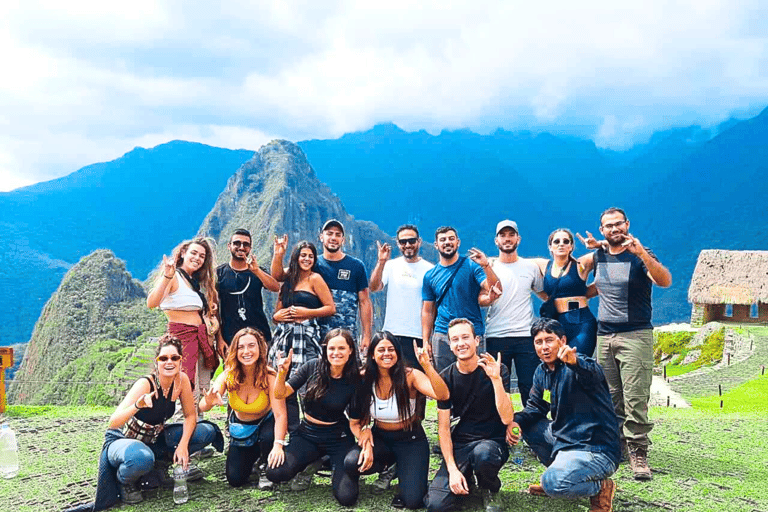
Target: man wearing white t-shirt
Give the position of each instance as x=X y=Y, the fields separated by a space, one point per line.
x=403 y=278
x=508 y=326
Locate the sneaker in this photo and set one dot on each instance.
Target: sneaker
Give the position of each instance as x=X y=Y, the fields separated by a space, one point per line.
x=265 y=484
x=303 y=480
x=385 y=479
x=397 y=502
x=205 y=453
x=536 y=490
x=130 y=494
x=194 y=473
x=603 y=501
x=490 y=501
x=638 y=461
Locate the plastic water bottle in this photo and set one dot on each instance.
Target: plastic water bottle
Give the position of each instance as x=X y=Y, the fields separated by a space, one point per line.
x=518 y=451
x=180 y=490
x=9 y=452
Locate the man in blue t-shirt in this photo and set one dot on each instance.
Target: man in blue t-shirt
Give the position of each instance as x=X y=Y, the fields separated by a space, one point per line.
x=455 y=288
x=625 y=273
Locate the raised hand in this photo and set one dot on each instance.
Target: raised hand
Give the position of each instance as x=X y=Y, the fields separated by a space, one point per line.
x=632 y=244
x=591 y=242
x=252 y=263
x=495 y=291
x=491 y=366
x=213 y=397
x=169 y=267
x=284 y=363
x=281 y=245
x=422 y=354
x=567 y=354
x=145 y=401
x=385 y=251
x=478 y=257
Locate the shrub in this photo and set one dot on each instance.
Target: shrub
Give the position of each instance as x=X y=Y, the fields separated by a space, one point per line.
x=670 y=343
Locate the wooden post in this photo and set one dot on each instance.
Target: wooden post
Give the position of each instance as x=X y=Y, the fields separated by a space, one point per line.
x=665 y=372
x=6 y=361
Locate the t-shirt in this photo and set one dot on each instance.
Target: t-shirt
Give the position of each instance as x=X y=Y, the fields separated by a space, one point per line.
x=512 y=313
x=345 y=278
x=473 y=401
x=330 y=408
x=240 y=302
x=461 y=299
x=625 y=292
x=404 y=281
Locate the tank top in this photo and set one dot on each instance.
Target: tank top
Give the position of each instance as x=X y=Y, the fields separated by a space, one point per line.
x=303 y=298
x=571 y=284
x=237 y=404
x=162 y=407
x=183 y=299
x=386 y=411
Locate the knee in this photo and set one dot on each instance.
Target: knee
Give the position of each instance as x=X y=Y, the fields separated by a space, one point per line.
x=437 y=504
x=553 y=481
x=350 y=461
x=139 y=460
x=279 y=474
x=413 y=502
x=487 y=454
x=237 y=478
x=206 y=433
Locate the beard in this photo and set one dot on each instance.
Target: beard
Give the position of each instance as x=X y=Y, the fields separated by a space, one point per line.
x=410 y=253
x=238 y=258
x=508 y=251
x=619 y=239
x=332 y=249
x=447 y=255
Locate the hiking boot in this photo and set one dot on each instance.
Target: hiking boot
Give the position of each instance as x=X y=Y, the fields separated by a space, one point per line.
x=303 y=480
x=385 y=479
x=536 y=490
x=603 y=501
x=130 y=494
x=638 y=462
x=490 y=501
x=194 y=473
x=161 y=470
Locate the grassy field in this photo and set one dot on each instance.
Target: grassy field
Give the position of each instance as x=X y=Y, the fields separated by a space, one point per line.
x=703 y=460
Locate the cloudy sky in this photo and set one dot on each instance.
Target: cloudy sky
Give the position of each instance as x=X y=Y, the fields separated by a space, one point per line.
x=86 y=81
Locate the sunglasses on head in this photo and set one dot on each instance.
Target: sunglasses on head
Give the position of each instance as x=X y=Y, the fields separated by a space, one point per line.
x=162 y=359
x=408 y=241
x=561 y=241
x=238 y=243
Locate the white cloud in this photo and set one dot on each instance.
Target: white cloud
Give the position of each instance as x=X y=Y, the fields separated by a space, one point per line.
x=86 y=80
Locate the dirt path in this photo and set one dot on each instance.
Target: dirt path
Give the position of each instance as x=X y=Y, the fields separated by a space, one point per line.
x=660 y=392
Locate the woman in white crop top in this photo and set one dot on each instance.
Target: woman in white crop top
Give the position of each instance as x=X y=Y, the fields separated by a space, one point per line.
x=388 y=399
x=190 y=268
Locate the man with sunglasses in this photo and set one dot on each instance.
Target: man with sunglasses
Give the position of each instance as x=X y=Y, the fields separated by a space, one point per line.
x=239 y=283
x=403 y=278
x=625 y=273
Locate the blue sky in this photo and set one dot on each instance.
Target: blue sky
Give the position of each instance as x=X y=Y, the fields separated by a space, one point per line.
x=87 y=81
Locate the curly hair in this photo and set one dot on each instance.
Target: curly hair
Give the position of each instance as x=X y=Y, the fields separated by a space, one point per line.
x=205 y=275
x=235 y=367
x=166 y=340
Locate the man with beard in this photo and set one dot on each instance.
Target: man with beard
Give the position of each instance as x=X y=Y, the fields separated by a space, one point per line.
x=239 y=284
x=625 y=273
x=509 y=319
x=403 y=278
x=456 y=288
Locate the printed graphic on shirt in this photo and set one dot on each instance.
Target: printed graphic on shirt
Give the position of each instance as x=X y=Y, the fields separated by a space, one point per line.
x=346 y=313
x=344 y=274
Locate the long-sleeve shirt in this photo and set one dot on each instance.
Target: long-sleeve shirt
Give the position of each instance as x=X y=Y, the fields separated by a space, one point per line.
x=582 y=411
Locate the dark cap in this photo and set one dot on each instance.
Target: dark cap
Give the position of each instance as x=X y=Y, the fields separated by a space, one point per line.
x=333 y=223
x=506 y=224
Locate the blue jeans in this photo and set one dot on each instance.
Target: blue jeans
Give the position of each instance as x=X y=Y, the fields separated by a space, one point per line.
x=441 y=350
x=520 y=350
x=570 y=473
x=132 y=458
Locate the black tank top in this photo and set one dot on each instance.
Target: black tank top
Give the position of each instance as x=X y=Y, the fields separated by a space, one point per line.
x=303 y=299
x=570 y=285
x=162 y=408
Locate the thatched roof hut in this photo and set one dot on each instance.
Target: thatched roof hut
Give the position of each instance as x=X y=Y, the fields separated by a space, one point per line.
x=737 y=279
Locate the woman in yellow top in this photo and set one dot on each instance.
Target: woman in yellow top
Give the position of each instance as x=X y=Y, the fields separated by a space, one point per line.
x=258 y=423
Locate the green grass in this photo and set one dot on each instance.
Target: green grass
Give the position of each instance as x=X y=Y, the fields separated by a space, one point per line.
x=751 y=396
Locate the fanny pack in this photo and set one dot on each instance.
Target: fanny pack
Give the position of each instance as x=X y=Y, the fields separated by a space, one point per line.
x=244 y=434
x=144 y=432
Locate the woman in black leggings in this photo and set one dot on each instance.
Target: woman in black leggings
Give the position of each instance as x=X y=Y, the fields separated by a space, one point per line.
x=388 y=397
x=331 y=384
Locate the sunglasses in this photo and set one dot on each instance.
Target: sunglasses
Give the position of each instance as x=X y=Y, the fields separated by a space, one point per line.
x=162 y=359
x=238 y=243
x=408 y=241
x=561 y=241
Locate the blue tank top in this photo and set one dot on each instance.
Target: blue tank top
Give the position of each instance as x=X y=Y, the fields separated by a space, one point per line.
x=571 y=284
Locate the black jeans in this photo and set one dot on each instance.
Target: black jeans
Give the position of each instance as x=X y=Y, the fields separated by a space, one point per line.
x=409 y=449
x=240 y=459
x=521 y=350
x=309 y=443
x=485 y=458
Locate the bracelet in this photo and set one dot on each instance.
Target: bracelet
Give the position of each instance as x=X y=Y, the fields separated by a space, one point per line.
x=136 y=403
x=281 y=442
x=364 y=428
x=165 y=276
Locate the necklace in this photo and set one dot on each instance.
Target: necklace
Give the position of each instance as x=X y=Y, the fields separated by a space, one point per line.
x=240 y=295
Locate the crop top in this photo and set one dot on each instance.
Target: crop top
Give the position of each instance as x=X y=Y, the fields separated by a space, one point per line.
x=303 y=298
x=330 y=408
x=386 y=411
x=183 y=299
x=259 y=405
x=571 y=283
x=162 y=407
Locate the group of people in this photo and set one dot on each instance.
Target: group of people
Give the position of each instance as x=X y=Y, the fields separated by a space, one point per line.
x=313 y=391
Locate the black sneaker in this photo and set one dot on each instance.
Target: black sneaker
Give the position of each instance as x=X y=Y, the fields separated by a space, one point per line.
x=130 y=494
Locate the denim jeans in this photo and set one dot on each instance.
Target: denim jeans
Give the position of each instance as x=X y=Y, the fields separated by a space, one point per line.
x=485 y=458
x=520 y=350
x=570 y=473
x=441 y=350
x=132 y=458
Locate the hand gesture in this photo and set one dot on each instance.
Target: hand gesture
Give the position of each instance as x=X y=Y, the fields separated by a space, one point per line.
x=478 y=257
x=567 y=354
x=385 y=251
x=145 y=401
x=632 y=244
x=213 y=397
x=284 y=363
x=457 y=482
x=591 y=242
x=276 y=457
x=280 y=246
x=491 y=366
x=169 y=267
x=422 y=354
x=253 y=265
x=495 y=291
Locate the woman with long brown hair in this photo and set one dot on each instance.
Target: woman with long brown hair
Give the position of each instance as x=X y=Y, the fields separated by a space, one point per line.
x=257 y=424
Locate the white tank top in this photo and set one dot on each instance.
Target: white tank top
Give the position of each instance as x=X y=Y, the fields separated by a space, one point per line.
x=386 y=411
x=183 y=299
